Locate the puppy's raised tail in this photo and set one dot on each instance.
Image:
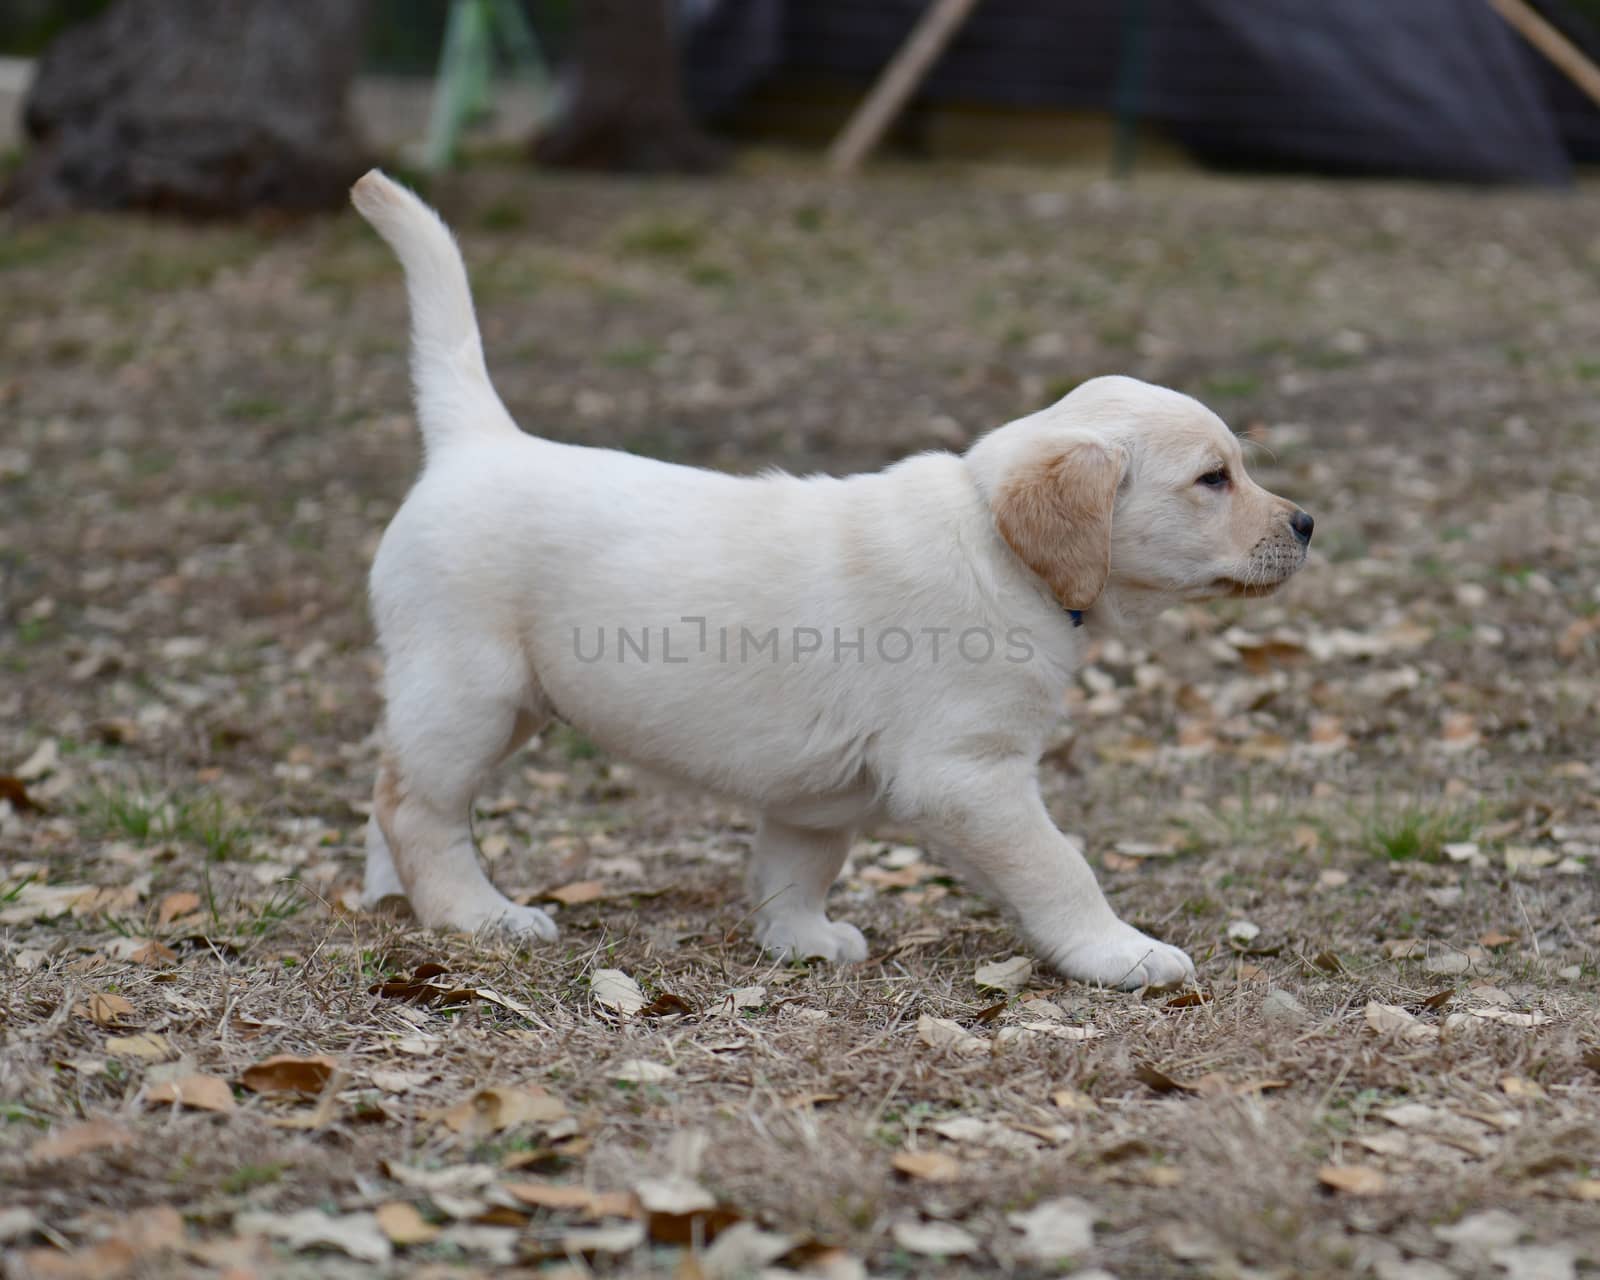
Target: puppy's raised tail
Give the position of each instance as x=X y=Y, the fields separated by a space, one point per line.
x=455 y=399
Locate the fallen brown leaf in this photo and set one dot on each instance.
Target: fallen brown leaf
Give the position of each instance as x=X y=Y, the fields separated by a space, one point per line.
x=1510 y=1017
x=1391 y=1019
x=928 y=1166
x=153 y=954
x=617 y=1238
x=1262 y=654
x=132 y=1248
x=1353 y=1179
x=1055 y=1229
x=1577 y=631
x=666 y=1005
x=91 y=1135
x=1211 y=1085
x=942 y=1033
x=800 y=1100
x=107 y=1260
x=147 y=1044
x=1216 y=1085
x=15 y=793
x=1009 y=976
x=202 y=1093
x=403 y=1224
x=566 y=1197
x=175 y=905
x=1157 y=1079
x=640 y=1071
x=106 y=1009
x=357 y=1234
x=906 y=877
x=286 y=1073
x=572 y=895
x=420 y=988
x=435 y=995
x=320 y=1115
x=685 y=1229
x=109 y=900
x=615 y=991
x=493 y=1109
x=551 y=1195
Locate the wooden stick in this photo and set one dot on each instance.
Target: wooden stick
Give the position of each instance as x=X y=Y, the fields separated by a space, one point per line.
x=906 y=70
x=1571 y=60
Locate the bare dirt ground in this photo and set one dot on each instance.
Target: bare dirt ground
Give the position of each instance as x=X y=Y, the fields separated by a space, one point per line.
x=1370 y=807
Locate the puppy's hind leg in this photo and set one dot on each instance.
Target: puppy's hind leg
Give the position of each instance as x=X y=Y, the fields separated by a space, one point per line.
x=380 y=880
x=790 y=871
x=442 y=739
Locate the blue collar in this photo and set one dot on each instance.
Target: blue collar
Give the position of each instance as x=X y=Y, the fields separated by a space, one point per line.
x=1077 y=616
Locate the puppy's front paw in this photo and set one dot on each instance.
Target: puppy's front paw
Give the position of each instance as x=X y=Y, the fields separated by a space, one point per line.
x=1123 y=957
x=812 y=937
x=525 y=922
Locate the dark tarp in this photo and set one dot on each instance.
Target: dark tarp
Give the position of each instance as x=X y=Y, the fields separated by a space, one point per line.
x=1428 y=88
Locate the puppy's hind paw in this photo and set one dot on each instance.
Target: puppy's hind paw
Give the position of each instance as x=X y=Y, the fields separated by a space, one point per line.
x=1126 y=959
x=812 y=938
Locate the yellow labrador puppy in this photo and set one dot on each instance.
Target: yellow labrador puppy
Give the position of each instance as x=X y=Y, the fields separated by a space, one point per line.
x=828 y=651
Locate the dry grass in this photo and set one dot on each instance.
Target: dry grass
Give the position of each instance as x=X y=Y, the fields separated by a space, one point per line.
x=206 y=432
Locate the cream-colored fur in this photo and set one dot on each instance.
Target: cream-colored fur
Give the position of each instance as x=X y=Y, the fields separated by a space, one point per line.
x=750 y=635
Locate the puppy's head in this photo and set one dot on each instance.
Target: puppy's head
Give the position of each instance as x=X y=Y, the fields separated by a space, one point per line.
x=1130 y=487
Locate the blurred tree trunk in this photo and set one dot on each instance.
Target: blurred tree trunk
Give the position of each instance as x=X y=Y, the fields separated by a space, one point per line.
x=627 y=111
x=203 y=107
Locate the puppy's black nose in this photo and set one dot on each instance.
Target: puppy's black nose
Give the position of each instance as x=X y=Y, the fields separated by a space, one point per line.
x=1302 y=524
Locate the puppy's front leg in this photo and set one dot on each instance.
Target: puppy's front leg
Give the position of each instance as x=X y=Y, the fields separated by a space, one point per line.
x=990 y=820
x=790 y=871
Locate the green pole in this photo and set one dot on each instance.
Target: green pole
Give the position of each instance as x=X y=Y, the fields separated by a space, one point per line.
x=1130 y=84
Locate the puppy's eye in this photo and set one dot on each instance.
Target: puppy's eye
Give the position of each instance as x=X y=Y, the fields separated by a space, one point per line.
x=1217 y=479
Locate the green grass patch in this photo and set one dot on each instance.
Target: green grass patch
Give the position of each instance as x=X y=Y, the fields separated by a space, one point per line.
x=662 y=238
x=172 y=269
x=42 y=243
x=708 y=275
x=1415 y=831
x=572 y=744
x=150 y=818
x=1056 y=388
x=633 y=355
x=1329 y=358
x=809 y=217
x=1232 y=384
x=247 y=1177
x=285 y=903
x=251 y=408
x=503 y=215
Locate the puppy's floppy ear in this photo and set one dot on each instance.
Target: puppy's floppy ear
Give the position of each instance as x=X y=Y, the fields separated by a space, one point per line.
x=1053 y=508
